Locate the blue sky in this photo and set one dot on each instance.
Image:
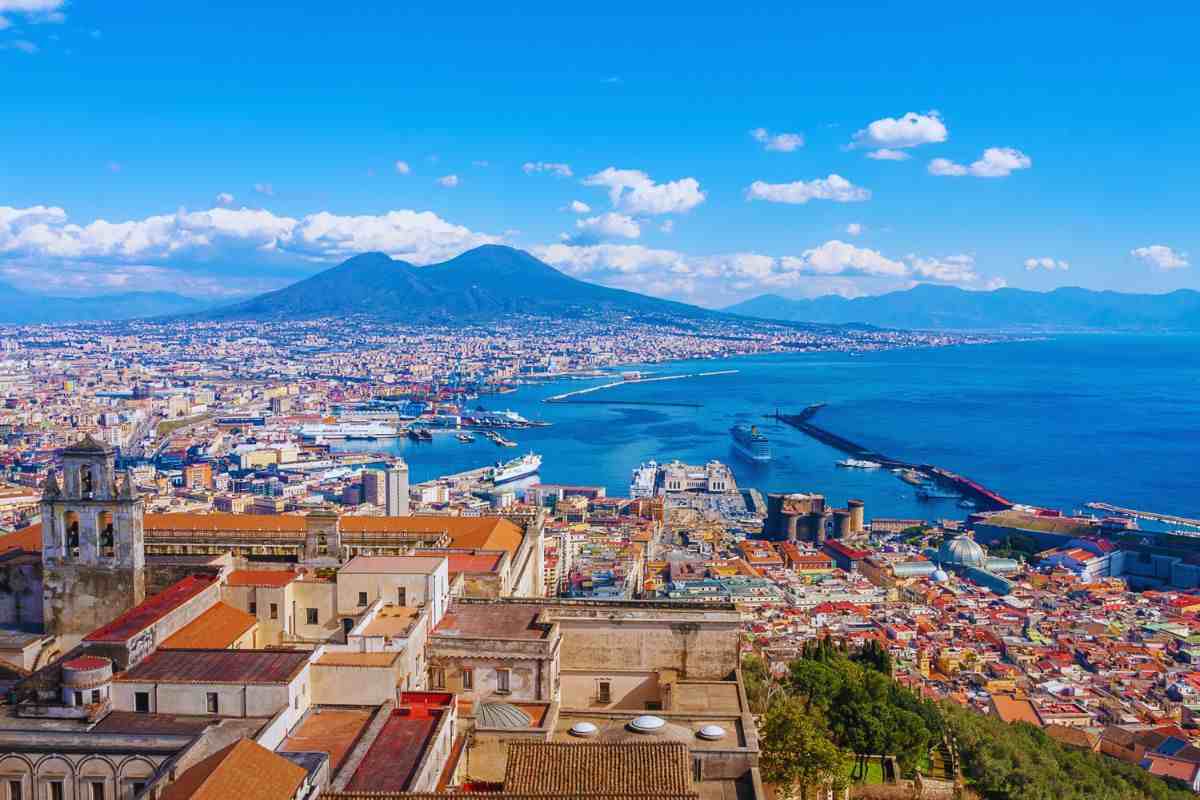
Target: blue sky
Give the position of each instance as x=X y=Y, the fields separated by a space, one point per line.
x=221 y=148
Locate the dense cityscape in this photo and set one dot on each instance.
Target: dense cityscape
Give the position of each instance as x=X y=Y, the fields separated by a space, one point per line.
x=198 y=572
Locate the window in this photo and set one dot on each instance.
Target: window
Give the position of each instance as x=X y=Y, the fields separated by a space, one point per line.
x=604 y=692
x=95 y=696
x=97 y=790
x=439 y=678
x=362 y=598
x=502 y=681
x=141 y=702
x=14 y=790
x=213 y=701
x=56 y=790
x=78 y=698
x=274 y=611
x=402 y=596
x=253 y=607
x=137 y=787
x=468 y=678
x=311 y=616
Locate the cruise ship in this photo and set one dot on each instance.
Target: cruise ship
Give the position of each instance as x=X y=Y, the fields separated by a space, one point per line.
x=321 y=431
x=748 y=442
x=506 y=471
x=644 y=481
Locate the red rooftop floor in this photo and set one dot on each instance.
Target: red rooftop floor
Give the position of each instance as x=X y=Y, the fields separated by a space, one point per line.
x=142 y=616
x=392 y=760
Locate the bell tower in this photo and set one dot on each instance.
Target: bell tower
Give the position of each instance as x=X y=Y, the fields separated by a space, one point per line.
x=93 y=555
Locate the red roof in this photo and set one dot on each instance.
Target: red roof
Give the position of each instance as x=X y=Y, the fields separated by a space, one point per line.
x=274 y=578
x=218 y=666
x=392 y=760
x=87 y=662
x=142 y=616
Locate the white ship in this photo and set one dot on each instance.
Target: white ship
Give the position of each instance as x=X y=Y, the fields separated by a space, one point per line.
x=645 y=479
x=319 y=431
x=506 y=471
x=859 y=463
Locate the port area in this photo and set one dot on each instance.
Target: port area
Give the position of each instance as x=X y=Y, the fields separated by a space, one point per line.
x=575 y=396
x=984 y=497
x=1133 y=513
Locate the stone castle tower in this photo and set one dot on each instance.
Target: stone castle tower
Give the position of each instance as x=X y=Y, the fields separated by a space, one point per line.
x=93 y=555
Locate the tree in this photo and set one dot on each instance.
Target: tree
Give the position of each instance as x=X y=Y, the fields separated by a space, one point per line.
x=817 y=682
x=797 y=754
x=756 y=677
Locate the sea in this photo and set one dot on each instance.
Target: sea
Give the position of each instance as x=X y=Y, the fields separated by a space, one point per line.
x=1053 y=422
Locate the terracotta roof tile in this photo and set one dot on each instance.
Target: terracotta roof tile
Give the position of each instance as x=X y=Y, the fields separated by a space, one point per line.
x=215 y=629
x=655 y=768
x=218 y=666
x=273 y=578
x=27 y=539
x=243 y=769
x=150 y=611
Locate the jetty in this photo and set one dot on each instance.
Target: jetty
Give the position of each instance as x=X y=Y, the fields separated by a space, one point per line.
x=1169 y=519
x=566 y=397
x=985 y=497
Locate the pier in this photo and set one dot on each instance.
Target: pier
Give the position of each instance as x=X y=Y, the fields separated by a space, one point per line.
x=986 y=498
x=1169 y=519
x=632 y=403
x=566 y=396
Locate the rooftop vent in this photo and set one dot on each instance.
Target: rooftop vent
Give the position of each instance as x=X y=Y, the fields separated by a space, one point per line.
x=712 y=733
x=647 y=723
x=584 y=729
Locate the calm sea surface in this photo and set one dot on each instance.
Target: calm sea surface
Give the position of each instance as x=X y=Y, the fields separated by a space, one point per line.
x=1055 y=423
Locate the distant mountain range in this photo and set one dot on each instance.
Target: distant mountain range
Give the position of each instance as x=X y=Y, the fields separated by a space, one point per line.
x=931 y=307
x=481 y=284
x=27 y=308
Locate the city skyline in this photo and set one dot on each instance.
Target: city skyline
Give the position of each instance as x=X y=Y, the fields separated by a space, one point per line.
x=774 y=152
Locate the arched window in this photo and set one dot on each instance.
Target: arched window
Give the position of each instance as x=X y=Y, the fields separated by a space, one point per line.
x=71 y=526
x=105 y=524
x=86 y=485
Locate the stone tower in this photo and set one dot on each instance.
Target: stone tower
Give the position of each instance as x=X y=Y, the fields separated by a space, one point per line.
x=93 y=554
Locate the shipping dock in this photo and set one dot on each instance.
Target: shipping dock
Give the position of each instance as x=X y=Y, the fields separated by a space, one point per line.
x=984 y=498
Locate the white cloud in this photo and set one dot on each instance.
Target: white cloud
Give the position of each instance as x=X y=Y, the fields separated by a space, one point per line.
x=668 y=226
x=557 y=170
x=910 y=130
x=607 y=226
x=888 y=154
x=1046 y=263
x=996 y=162
x=578 y=207
x=835 y=188
x=23 y=45
x=994 y=284
x=265 y=189
x=1160 y=256
x=402 y=168
x=634 y=192
x=232 y=238
x=31 y=6
x=224 y=199
x=840 y=258
x=449 y=181
x=950 y=269
x=854 y=228
x=778 y=142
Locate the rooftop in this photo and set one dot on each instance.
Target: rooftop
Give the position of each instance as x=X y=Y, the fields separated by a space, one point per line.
x=392 y=621
x=392 y=565
x=272 y=578
x=215 y=629
x=328 y=730
x=500 y=621
x=243 y=769
x=150 y=611
x=395 y=754
x=659 y=768
x=218 y=666
x=350 y=659
x=27 y=539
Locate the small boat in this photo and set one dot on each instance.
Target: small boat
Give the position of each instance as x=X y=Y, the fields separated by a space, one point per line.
x=929 y=491
x=466 y=438
x=859 y=463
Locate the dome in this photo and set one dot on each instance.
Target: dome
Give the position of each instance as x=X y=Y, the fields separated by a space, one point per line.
x=961 y=551
x=647 y=724
x=502 y=715
x=711 y=732
x=940 y=575
x=584 y=729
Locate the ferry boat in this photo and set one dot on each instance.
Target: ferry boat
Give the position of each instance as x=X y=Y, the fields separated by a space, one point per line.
x=859 y=463
x=518 y=468
x=748 y=442
x=346 y=430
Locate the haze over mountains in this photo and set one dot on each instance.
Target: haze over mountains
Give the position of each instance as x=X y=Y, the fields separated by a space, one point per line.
x=932 y=307
x=27 y=308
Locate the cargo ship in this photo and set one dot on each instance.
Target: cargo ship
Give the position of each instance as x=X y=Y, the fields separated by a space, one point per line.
x=748 y=442
x=322 y=431
x=516 y=469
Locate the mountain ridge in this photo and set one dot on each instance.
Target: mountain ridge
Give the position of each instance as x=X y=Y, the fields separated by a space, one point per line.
x=936 y=307
x=28 y=308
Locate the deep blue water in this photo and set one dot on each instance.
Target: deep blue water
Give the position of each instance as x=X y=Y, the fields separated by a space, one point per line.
x=1055 y=423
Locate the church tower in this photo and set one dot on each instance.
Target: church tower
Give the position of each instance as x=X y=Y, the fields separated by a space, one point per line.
x=93 y=555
